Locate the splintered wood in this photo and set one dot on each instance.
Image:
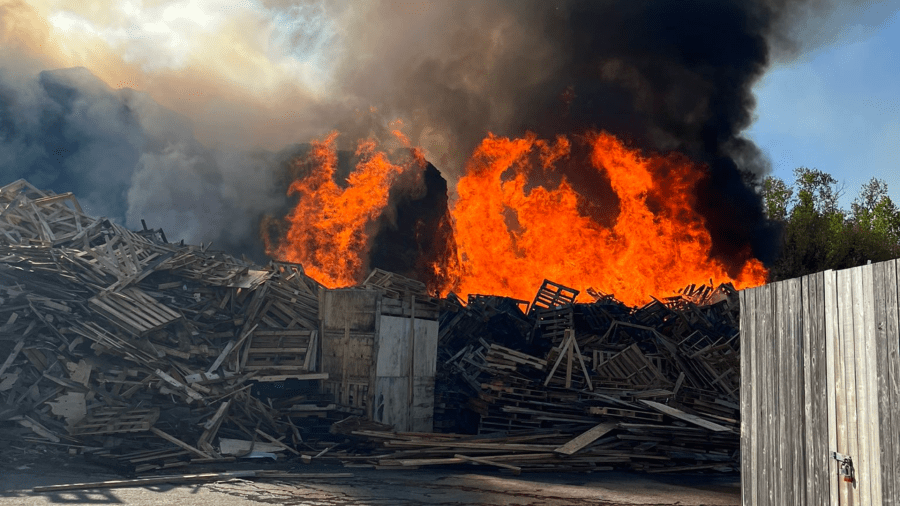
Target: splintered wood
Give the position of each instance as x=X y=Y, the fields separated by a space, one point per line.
x=144 y=350
x=150 y=355
x=652 y=388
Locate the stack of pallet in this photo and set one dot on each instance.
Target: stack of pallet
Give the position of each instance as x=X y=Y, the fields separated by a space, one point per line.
x=142 y=353
x=149 y=355
x=662 y=380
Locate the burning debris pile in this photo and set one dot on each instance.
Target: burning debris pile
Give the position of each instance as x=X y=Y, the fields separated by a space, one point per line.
x=149 y=355
x=141 y=352
x=587 y=386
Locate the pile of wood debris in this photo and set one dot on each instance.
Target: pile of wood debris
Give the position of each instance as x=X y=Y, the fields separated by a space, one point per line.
x=564 y=385
x=140 y=352
x=151 y=355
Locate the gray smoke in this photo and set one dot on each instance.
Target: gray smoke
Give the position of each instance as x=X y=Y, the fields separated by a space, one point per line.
x=662 y=75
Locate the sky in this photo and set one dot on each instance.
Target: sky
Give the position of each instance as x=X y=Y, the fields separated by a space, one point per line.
x=836 y=108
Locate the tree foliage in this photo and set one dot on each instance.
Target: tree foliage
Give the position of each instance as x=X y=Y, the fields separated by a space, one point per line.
x=817 y=234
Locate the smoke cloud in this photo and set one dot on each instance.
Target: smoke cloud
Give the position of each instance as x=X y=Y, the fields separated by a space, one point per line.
x=186 y=112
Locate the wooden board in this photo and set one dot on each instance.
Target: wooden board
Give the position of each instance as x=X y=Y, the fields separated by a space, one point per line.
x=586 y=438
x=681 y=415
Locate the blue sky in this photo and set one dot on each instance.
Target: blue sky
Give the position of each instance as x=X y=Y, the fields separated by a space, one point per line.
x=837 y=109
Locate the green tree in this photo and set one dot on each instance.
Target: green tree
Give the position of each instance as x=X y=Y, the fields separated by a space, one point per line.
x=778 y=197
x=873 y=210
x=818 y=235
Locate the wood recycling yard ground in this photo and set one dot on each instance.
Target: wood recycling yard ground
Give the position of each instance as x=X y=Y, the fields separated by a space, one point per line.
x=366 y=487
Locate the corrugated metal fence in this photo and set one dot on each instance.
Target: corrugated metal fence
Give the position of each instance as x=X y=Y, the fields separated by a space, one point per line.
x=820 y=373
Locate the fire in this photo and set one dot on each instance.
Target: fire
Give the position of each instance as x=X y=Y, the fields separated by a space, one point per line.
x=657 y=244
x=513 y=230
x=327 y=230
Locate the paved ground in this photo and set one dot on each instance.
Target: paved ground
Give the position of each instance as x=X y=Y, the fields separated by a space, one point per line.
x=375 y=487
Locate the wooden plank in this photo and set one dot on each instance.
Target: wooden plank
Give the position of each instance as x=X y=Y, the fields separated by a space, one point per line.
x=143 y=482
x=211 y=427
x=586 y=438
x=794 y=419
x=681 y=415
x=892 y=306
x=180 y=443
x=193 y=394
x=300 y=376
x=819 y=456
x=562 y=351
x=870 y=388
x=752 y=415
x=12 y=356
x=746 y=388
x=809 y=392
x=848 y=434
x=769 y=462
x=881 y=285
x=859 y=365
x=781 y=442
x=763 y=389
x=240 y=447
x=488 y=462
x=277 y=442
x=221 y=358
x=832 y=377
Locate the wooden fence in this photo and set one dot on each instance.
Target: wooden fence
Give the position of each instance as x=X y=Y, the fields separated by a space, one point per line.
x=820 y=373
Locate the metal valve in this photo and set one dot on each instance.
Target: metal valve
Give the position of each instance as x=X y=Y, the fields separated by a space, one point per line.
x=845 y=467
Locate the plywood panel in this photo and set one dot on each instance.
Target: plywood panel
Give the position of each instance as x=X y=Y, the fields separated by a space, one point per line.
x=426 y=348
x=393 y=353
x=393 y=347
x=391 y=405
x=349 y=307
x=422 y=409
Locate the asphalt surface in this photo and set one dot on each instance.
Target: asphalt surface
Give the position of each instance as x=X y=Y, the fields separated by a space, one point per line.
x=370 y=487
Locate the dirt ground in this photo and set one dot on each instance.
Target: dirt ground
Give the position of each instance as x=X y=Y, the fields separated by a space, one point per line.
x=21 y=470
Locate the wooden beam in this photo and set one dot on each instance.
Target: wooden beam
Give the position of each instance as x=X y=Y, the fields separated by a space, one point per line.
x=179 y=442
x=586 y=438
x=488 y=462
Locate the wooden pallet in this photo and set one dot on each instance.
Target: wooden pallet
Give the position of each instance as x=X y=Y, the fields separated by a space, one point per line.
x=134 y=311
x=116 y=421
x=551 y=295
x=632 y=366
x=281 y=351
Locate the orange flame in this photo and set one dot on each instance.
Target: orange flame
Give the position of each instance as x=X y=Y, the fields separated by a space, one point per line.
x=328 y=227
x=646 y=252
x=511 y=233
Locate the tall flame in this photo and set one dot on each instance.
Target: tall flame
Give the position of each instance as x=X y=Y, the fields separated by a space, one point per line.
x=327 y=230
x=658 y=243
x=511 y=232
